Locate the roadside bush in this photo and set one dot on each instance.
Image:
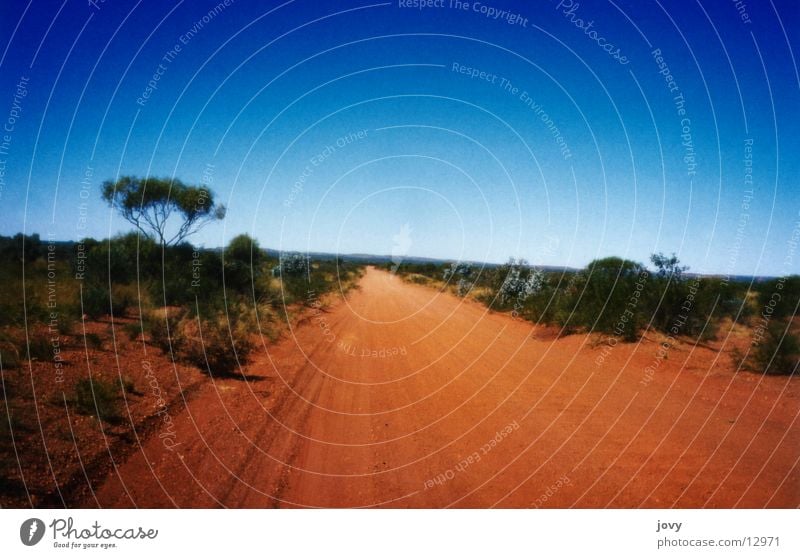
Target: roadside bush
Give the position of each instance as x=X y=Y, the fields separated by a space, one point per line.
x=418 y=279
x=216 y=344
x=97 y=397
x=291 y=264
x=776 y=351
x=456 y=271
x=171 y=285
x=463 y=287
x=9 y=354
x=122 y=259
x=669 y=291
x=781 y=296
x=93 y=341
x=243 y=263
x=520 y=283
x=462 y=275
x=38 y=347
x=95 y=301
x=133 y=330
x=162 y=327
x=99 y=301
x=604 y=298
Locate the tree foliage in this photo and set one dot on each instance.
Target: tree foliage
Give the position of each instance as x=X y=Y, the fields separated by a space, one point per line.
x=243 y=258
x=150 y=203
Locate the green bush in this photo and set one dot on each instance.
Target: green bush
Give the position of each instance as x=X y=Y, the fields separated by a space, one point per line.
x=9 y=354
x=20 y=247
x=38 y=347
x=603 y=298
x=217 y=345
x=775 y=352
x=133 y=330
x=243 y=264
x=93 y=341
x=98 y=301
x=781 y=296
x=163 y=329
x=97 y=397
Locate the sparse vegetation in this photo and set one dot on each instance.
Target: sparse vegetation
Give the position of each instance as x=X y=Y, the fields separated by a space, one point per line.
x=623 y=299
x=97 y=397
x=774 y=351
x=217 y=344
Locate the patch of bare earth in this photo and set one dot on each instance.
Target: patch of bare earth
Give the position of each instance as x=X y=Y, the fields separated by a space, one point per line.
x=55 y=453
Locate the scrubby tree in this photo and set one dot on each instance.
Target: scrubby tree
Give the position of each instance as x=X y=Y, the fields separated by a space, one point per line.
x=667 y=266
x=780 y=297
x=775 y=351
x=150 y=203
x=670 y=291
x=243 y=258
x=607 y=297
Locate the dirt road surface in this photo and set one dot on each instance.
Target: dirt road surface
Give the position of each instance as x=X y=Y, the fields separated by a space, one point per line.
x=402 y=396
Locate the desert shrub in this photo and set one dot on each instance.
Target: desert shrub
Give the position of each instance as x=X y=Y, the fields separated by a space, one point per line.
x=93 y=341
x=172 y=285
x=734 y=300
x=322 y=277
x=296 y=277
x=122 y=259
x=607 y=297
x=172 y=275
x=133 y=330
x=296 y=289
x=68 y=316
x=418 y=279
x=20 y=247
x=774 y=350
x=669 y=291
x=457 y=270
x=520 y=283
x=119 y=301
x=693 y=305
x=463 y=287
x=9 y=353
x=243 y=263
x=128 y=385
x=38 y=347
x=124 y=299
x=780 y=297
x=463 y=276
x=162 y=327
x=95 y=301
x=97 y=397
x=428 y=269
x=217 y=344
x=291 y=264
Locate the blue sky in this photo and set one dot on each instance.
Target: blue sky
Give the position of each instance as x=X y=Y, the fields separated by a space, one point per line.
x=331 y=126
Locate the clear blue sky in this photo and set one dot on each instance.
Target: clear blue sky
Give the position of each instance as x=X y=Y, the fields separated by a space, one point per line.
x=584 y=159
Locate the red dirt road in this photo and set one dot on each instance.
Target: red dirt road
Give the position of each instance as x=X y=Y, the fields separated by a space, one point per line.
x=406 y=397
